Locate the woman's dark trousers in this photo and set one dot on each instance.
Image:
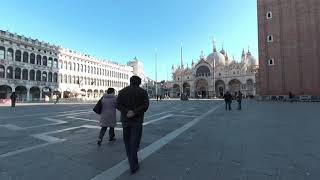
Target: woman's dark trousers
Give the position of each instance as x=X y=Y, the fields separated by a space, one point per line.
x=103 y=131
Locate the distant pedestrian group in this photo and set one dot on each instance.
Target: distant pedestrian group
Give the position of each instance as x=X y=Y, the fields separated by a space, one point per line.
x=132 y=102
x=228 y=100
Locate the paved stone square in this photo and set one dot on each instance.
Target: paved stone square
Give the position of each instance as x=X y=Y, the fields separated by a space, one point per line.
x=182 y=140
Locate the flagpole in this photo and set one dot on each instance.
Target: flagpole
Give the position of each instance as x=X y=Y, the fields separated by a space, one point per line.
x=156 y=61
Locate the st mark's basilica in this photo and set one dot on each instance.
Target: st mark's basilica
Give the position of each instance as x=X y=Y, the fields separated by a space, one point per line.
x=213 y=75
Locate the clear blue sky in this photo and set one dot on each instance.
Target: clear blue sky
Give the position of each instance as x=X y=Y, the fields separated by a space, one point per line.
x=119 y=30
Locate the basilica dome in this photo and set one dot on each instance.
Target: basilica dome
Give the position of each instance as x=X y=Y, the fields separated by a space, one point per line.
x=252 y=61
x=216 y=58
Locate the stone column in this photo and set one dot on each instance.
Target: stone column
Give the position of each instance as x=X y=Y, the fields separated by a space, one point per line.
x=28 y=94
x=61 y=95
x=41 y=93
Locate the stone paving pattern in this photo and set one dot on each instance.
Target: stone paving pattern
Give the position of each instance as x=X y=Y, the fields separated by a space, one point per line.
x=264 y=141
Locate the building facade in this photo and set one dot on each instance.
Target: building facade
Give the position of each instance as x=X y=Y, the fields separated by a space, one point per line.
x=289 y=47
x=215 y=74
x=39 y=71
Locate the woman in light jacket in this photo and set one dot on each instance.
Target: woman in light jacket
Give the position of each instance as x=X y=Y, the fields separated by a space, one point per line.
x=108 y=115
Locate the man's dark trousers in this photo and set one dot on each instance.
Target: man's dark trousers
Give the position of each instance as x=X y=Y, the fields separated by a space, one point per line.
x=13 y=103
x=132 y=132
x=228 y=105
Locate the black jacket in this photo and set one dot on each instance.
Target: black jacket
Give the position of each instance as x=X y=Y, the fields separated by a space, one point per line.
x=133 y=98
x=227 y=97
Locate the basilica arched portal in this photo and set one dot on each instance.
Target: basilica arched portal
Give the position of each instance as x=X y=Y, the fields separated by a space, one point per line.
x=186 y=89
x=220 y=88
x=202 y=86
x=234 y=86
x=176 y=90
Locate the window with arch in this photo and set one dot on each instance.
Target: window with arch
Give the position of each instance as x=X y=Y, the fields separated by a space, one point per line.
x=25 y=57
x=65 y=78
x=38 y=59
x=32 y=58
x=18 y=55
x=269 y=15
x=38 y=75
x=55 y=77
x=50 y=77
x=17 y=73
x=74 y=67
x=78 y=67
x=32 y=75
x=270 y=38
x=2 y=71
x=44 y=61
x=25 y=74
x=50 y=61
x=10 y=54
x=10 y=72
x=2 y=52
x=69 y=79
x=55 y=63
x=44 y=76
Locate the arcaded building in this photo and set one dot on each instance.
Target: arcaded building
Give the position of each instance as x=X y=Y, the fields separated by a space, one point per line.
x=213 y=75
x=289 y=47
x=37 y=70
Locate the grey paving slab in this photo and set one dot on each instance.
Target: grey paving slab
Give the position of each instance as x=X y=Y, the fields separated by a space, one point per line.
x=264 y=141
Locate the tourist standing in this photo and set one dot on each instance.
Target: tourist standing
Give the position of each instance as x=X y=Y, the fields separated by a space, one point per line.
x=228 y=100
x=108 y=115
x=132 y=102
x=13 y=98
x=239 y=100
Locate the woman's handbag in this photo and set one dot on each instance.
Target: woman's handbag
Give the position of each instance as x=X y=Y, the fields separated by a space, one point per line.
x=98 y=107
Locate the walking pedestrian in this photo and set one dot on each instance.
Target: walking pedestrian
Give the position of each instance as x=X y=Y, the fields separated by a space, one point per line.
x=107 y=115
x=132 y=102
x=228 y=100
x=239 y=100
x=57 y=99
x=13 y=98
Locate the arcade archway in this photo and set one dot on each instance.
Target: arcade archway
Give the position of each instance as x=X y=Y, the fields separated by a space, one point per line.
x=21 y=92
x=5 y=92
x=35 y=93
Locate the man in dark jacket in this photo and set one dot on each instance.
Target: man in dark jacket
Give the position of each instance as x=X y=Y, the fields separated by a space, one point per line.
x=132 y=102
x=239 y=100
x=228 y=100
